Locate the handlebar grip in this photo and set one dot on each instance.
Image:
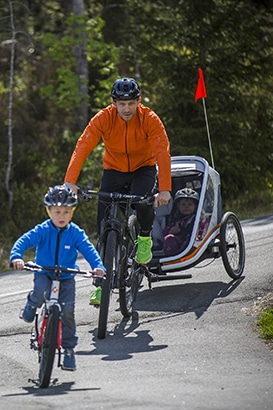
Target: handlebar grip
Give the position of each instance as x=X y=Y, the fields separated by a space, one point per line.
x=84 y=195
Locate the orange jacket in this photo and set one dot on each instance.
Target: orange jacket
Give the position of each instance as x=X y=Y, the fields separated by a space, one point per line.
x=140 y=142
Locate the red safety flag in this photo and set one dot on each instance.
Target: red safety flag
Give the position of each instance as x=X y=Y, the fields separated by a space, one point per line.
x=201 y=88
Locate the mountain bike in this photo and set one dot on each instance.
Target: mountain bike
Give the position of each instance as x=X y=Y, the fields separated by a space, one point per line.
x=46 y=337
x=117 y=246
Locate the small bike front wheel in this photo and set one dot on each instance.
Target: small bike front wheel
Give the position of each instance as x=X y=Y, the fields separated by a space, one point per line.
x=49 y=345
x=110 y=260
x=131 y=274
x=232 y=245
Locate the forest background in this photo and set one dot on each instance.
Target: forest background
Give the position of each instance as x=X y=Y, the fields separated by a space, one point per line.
x=59 y=59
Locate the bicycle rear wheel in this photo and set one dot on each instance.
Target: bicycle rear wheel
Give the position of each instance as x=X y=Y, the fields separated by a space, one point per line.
x=131 y=274
x=110 y=260
x=232 y=245
x=49 y=345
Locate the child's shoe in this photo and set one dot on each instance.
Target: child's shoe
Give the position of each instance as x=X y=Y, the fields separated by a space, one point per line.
x=95 y=296
x=28 y=314
x=69 y=362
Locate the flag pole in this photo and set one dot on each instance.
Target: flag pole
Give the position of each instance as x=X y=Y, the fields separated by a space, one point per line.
x=207 y=126
x=202 y=93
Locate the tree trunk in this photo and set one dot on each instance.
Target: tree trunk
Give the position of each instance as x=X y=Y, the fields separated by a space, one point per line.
x=81 y=65
x=10 y=138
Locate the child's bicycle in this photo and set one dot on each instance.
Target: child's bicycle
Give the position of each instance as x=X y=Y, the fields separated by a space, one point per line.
x=46 y=337
x=117 y=247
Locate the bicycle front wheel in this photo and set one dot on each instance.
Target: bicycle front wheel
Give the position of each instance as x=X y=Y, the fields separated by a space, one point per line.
x=110 y=261
x=49 y=345
x=131 y=274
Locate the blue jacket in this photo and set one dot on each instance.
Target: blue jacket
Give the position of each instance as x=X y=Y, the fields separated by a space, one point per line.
x=55 y=246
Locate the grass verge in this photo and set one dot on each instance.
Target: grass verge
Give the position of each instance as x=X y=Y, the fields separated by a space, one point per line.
x=265 y=324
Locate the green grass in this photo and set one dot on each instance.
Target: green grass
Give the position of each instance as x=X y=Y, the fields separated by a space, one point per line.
x=265 y=324
x=251 y=206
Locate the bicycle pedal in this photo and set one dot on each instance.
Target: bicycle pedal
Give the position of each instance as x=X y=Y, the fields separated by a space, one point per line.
x=33 y=346
x=96 y=306
x=34 y=381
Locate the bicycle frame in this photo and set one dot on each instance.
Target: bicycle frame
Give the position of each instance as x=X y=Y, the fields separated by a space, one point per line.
x=53 y=300
x=117 y=247
x=41 y=335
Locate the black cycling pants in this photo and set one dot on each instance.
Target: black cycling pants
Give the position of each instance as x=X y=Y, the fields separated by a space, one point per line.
x=140 y=182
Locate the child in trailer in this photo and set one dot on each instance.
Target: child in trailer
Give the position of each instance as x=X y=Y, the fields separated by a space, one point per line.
x=177 y=234
x=57 y=241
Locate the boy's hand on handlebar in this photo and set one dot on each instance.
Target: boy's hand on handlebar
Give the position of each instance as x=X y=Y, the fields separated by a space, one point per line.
x=71 y=186
x=162 y=198
x=99 y=272
x=18 y=264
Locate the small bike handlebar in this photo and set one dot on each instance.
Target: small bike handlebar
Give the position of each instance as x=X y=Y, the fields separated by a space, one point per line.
x=32 y=266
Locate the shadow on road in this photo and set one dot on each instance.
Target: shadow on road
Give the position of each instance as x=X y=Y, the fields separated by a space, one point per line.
x=123 y=342
x=188 y=297
x=55 y=388
x=126 y=339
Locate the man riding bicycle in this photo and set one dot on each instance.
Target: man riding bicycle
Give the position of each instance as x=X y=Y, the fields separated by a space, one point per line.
x=135 y=142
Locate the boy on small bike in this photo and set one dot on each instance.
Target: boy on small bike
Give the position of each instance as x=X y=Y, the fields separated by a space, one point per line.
x=57 y=241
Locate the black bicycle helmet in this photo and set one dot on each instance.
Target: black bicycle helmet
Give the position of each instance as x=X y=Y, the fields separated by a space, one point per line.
x=125 y=89
x=60 y=195
x=186 y=193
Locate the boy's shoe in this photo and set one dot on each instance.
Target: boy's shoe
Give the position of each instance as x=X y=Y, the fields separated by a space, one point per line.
x=28 y=314
x=144 y=249
x=69 y=362
x=95 y=296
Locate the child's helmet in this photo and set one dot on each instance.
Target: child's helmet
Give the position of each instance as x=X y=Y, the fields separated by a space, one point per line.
x=186 y=193
x=60 y=195
x=125 y=89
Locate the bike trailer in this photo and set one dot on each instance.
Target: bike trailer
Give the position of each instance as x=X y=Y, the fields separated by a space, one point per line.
x=213 y=235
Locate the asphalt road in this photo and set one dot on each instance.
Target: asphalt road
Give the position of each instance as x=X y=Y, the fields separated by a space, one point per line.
x=191 y=346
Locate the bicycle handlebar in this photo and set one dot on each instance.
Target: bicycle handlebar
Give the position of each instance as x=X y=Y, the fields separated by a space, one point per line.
x=32 y=266
x=86 y=195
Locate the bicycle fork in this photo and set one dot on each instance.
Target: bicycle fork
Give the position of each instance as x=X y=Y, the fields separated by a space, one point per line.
x=36 y=339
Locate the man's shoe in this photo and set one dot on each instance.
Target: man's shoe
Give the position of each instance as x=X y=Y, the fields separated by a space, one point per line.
x=69 y=362
x=95 y=296
x=28 y=313
x=144 y=249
